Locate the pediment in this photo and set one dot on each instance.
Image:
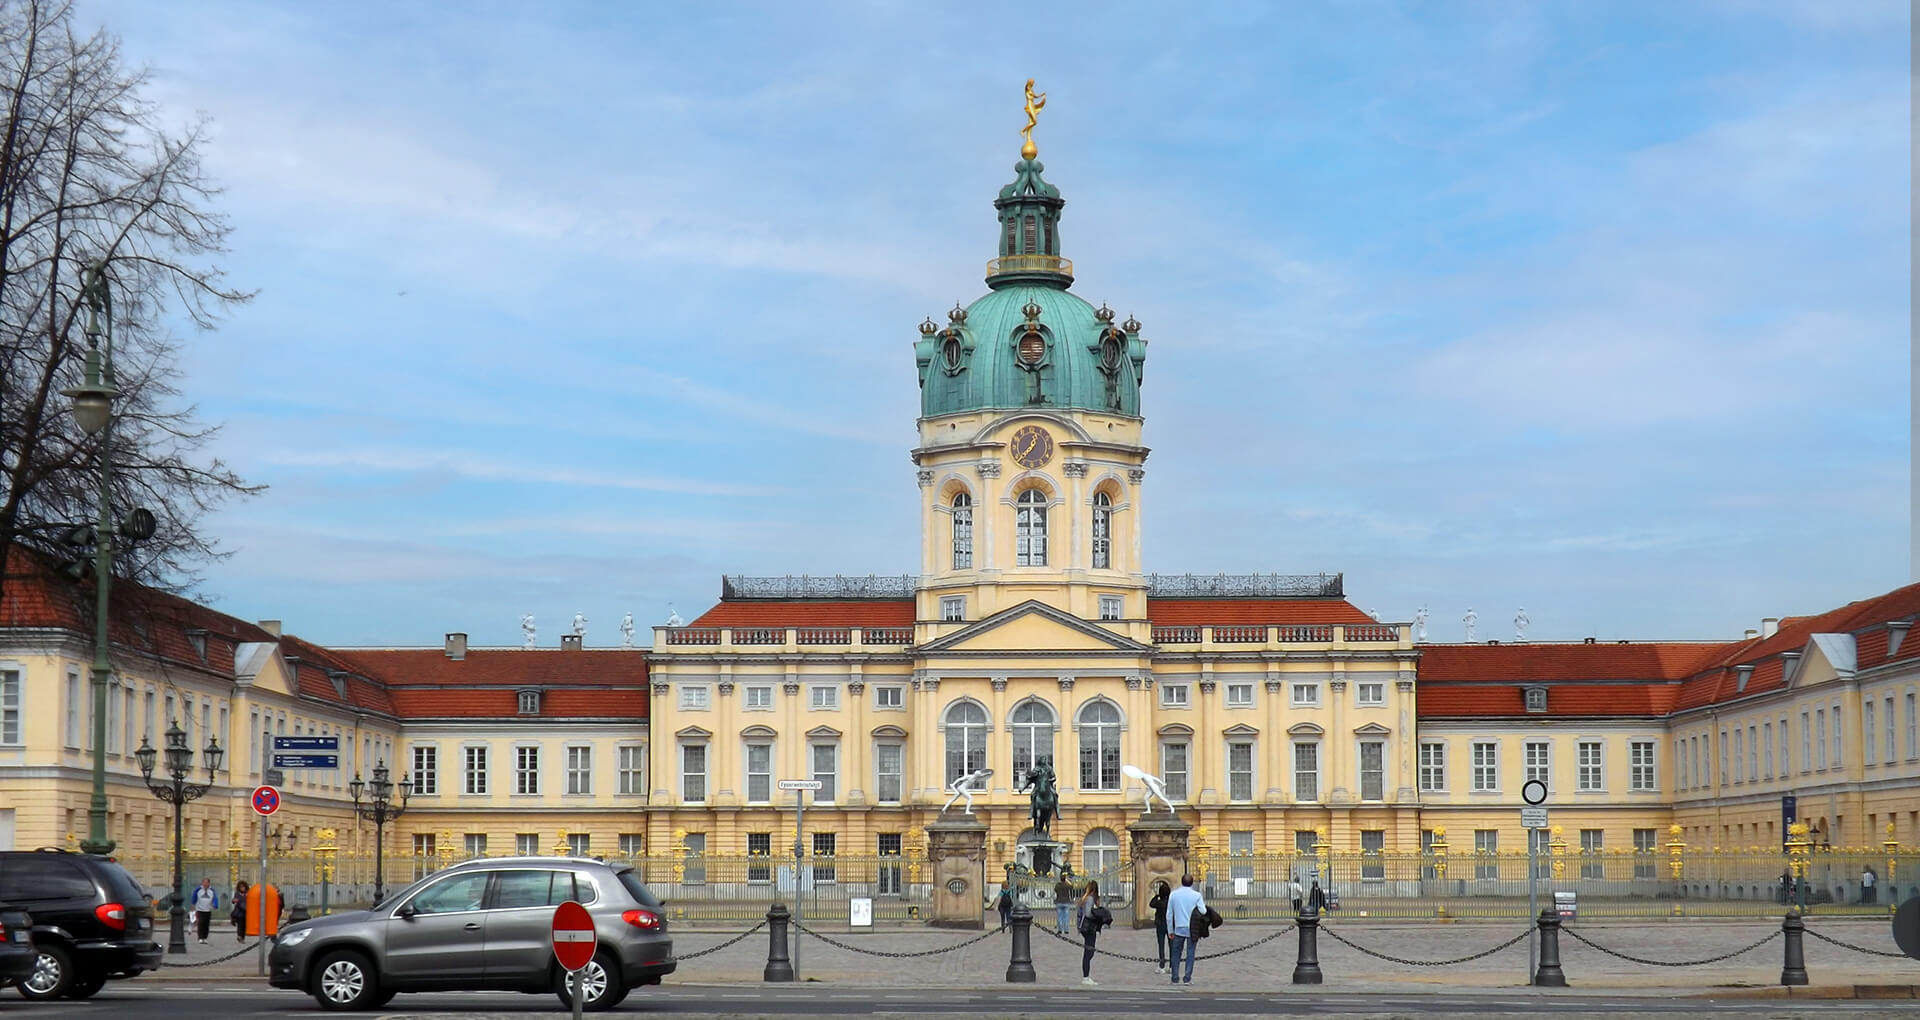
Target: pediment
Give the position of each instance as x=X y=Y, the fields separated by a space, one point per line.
x=1372 y=729
x=1176 y=730
x=693 y=733
x=889 y=731
x=824 y=733
x=1305 y=729
x=1240 y=730
x=1034 y=626
x=1824 y=658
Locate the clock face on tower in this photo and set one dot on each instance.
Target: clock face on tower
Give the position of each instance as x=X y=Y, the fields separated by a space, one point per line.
x=1032 y=447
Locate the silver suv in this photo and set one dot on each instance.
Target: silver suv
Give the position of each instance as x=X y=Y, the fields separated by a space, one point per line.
x=482 y=925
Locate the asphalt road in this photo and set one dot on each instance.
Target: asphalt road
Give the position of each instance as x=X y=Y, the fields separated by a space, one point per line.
x=227 y=1002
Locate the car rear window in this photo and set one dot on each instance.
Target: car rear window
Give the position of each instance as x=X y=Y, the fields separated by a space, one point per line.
x=120 y=883
x=638 y=889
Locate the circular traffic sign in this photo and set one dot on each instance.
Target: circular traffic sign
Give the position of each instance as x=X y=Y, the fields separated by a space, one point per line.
x=266 y=800
x=1534 y=791
x=573 y=936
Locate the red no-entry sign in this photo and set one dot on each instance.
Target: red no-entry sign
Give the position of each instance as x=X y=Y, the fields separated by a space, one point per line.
x=266 y=800
x=573 y=937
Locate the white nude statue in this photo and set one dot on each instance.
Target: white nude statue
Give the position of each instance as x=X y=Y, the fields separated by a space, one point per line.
x=580 y=626
x=626 y=631
x=526 y=631
x=1470 y=619
x=1153 y=787
x=963 y=787
x=1520 y=623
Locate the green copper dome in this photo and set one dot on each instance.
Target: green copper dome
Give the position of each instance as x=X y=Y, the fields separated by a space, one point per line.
x=1029 y=343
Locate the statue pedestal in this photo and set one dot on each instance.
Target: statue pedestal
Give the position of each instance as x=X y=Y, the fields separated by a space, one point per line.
x=956 y=855
x=1159 y=855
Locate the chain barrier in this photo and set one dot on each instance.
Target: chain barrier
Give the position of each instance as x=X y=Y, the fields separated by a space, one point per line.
x=218 y=959
x=1670 y=963
x=1849 y=945
x=1154 y=959
x=714 y=949
x=989 y=933
x=1334 y=935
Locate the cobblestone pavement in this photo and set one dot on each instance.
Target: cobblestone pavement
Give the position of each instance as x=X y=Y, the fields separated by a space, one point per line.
x=1270 y=966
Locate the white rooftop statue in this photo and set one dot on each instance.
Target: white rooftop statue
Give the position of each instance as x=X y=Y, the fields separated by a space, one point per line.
x=1154 y=787
x=526 y=631
x=1520 y=624
x=580 y=627
x=1470 y=619
x=1375 y=613
x=673 y=617
x=1420 y=624
x=963 y=786
x=626 y=631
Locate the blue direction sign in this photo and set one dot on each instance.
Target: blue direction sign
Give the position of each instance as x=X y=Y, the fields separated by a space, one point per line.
x=330 y=745
x=306 y=761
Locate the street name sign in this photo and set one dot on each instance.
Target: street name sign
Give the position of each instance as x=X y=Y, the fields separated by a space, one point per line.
x=306 y=752
x=800 y=784
x=1533 y=818
x=330 y=745
x=266 y=800
x=306 y=761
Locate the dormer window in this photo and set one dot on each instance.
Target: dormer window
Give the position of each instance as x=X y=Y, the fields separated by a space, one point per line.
x=1741 y=674
x=339 y=683
x=529 y=702
x=197 y=637
x=1536 y=699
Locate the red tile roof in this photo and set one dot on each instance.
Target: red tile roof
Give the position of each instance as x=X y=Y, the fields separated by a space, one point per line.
x=1452 y=701
x=1540 y=661
x=1241 y=612
x=809 y=613
x=589 y=683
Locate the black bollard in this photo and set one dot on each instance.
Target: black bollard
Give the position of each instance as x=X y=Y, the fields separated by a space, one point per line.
x=299 y=913
x=1020 y=962
x=1794 y=971
x=779 y=967
x=1549 y=974
x=1306 y=969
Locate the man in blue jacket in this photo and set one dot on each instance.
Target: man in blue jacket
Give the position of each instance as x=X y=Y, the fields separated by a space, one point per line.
x=1181 y=906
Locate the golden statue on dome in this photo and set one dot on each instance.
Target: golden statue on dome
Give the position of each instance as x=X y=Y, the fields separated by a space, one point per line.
x=1035 y=103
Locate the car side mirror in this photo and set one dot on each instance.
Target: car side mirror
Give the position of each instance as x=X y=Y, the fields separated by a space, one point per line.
x=406 y=910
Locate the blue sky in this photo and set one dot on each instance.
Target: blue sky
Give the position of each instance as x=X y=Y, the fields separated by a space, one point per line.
x=1599 y=309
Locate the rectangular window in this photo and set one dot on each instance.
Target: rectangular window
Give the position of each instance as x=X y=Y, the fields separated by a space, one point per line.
x=1110 y=607
x=1239 y=695
x=1590 y=773
x=887 y=847
x=526 y=844
x=759 y=854
x=1173 y=695
x=1889 y=717
x=695 y=872
x=693 y=773
x=1739 y=751
x=1640 y=762
x=759 y=697
x=73 y=711
x=476 y=845
x=633 y=769
x=1371 y=693
x=823 y=697
x=580 y=844
x=633 y=844
x=693 y=699
x=1643 y=850
x=826 y=769
x=1173 y=769
x=1766 y=744
x=1723 y=757
x=1240 y=771
x=1373 y=843
x=426 y=769
x=1486 y=766
x=1306 y=695
x=1240 y=845
x=1753 y=754
x=1820 y=738
x=953 y=608
x=580 y=770
x=1837 y=758
x=1433 y=767
x=1373 y=771
x=759 y=773
x=824 y=848
x=476 y=769
x=1806 y=743
x=1786 y=754
x=1591 y=846
x=1539 y=762
x=1486 y=847
x=1867 y=731
x=1913 y=728
x=1306 y=772
x=1681 y=765
x=889 y=772
x=526 y=770
x=10 y=706
x=889 y=697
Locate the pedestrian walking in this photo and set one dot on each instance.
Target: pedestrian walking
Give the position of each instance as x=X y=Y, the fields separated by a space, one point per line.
x=1090 y=918
x=1062 y=902
x=1183 y=906
x=1003 y=902
x=1294 y=893
x=1868 y=880
x=1317 y=898
x=239 y=914
x=205 y=902
x=1786 y=886
x=1159 y=904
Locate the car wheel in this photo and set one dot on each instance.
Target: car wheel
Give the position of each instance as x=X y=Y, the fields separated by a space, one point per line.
x=345 y=980
x=604 y=989
x=52 y=975
x=83 y=988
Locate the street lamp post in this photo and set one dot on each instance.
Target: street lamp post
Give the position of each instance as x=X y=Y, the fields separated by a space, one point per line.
x=178 y=792
x=378 y=807
x=93 y=411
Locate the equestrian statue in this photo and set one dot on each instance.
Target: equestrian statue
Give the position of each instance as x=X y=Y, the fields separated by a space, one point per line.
x=1046 y=797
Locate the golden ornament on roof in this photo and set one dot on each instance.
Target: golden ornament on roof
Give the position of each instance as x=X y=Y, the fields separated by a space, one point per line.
x=1035 y=103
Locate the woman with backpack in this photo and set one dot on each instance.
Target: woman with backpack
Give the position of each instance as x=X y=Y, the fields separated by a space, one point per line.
x=1159 y=905
x=1090 y=917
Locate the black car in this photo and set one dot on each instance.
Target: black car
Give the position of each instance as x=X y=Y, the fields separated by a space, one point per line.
x=17 y=957
x=91 y=921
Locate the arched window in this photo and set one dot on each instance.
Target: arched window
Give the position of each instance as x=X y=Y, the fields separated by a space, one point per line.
x=1101 y=854
x=1102 y=531
x=1032 y=736
x=962 y=531
x=1099 y=746
x=1030 y=529
x=966 y=730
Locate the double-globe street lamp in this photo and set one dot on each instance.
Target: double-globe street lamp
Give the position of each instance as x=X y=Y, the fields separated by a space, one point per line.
x=374 y=802
x=178 y=792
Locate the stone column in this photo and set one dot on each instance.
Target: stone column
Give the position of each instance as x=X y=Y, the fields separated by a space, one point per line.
x=1159 y=855
x=956 y=853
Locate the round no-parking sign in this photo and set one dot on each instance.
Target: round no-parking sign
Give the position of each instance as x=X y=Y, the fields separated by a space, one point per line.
x=266 y=800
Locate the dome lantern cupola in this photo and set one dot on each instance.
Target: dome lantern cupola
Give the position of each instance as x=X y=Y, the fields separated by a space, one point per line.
x=1029 y=218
